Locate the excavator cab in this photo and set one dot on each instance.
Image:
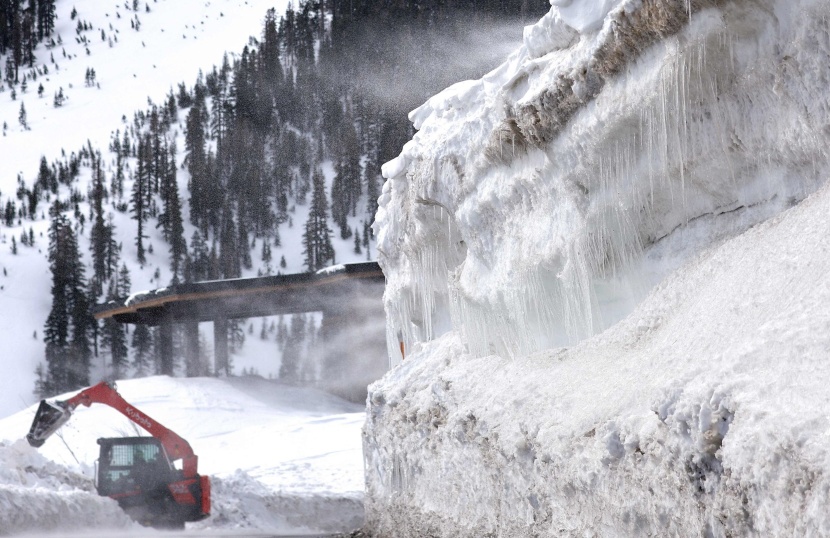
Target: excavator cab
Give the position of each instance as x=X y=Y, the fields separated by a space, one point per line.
x=136 y=472
x=129 y=464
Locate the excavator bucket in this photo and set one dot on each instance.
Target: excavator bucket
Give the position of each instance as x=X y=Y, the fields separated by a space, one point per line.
x=49 y=417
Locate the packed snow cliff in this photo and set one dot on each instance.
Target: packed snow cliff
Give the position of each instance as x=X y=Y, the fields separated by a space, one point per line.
x=607 y=272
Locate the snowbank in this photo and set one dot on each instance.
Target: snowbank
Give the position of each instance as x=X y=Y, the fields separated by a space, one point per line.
x=281 y=459
x=538 y=208
x=703 y=412
x=37 y=494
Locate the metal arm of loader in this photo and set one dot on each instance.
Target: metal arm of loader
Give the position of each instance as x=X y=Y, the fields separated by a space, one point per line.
x=52 y=415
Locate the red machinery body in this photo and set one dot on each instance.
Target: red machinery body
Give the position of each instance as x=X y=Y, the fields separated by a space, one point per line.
x=138 y=472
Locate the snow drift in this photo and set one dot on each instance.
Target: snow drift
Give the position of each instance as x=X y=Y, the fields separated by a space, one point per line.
x=622 y=147
x=36 y=493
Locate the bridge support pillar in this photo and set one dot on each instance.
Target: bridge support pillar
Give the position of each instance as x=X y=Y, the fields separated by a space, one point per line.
x=220 y=346
x=165 y=353
x=193 y=366
x=353 y=334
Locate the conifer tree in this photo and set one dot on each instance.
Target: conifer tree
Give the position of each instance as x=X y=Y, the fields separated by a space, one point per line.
x=292 y=353
x=357 y=249
x=117 y=185
x=101 y=235
x=45 y=18
x=317 y=245
x=46 y=178
x=242 y=245
x=114 y=337
x=200 y=185
x=22 y=117
x=270 y=53
x=339 y=211
x=143 y=352
x=59 y=98
x=172 y=108
x=68 y=326
x=84 y=328
x=9 y=213
x=29 y=37
x=199 y=258
x=229 y=258
x=214 y=269
x=266 y=255
x=170 y=220
x=139 y=201
x=156 y=153
x=16 y=46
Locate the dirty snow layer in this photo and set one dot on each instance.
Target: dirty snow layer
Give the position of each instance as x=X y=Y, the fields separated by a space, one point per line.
x=649 y=192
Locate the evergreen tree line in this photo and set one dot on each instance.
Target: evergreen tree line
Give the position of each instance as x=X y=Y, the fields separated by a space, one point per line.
x=429 y=11
x=256 y=131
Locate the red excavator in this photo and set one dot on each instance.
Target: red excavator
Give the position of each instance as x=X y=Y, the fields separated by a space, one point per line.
x=138 y=472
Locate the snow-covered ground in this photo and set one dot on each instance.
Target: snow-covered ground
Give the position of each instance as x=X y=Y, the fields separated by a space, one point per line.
x=281 y=458
x=607 y=263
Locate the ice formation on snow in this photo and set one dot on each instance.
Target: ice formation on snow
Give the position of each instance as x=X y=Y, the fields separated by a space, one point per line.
x=606 y=269
x=538 y=205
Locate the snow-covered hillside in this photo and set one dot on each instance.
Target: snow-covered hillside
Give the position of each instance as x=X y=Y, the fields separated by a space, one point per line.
x=174 y=41
x=138 y=57
x=281 y=459
x=548 y=386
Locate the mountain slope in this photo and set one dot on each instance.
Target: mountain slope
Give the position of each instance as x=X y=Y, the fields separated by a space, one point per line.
x=173 y=43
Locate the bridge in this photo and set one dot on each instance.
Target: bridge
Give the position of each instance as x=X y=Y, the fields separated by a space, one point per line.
x=345 y=294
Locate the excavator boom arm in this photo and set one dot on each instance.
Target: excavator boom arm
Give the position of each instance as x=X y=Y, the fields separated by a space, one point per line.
x=52 y=415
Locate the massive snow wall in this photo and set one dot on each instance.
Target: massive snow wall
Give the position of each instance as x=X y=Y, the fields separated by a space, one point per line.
x=626 y=144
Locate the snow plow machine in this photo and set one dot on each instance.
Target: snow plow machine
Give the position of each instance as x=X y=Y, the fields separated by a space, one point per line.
x=142 y=473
